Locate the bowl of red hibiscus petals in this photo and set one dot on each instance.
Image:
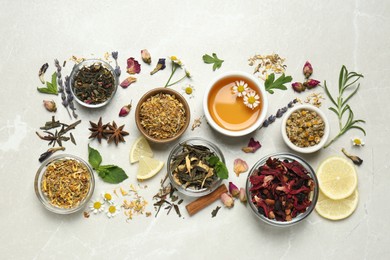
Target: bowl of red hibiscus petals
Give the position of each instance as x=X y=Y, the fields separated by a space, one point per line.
x=282 y=189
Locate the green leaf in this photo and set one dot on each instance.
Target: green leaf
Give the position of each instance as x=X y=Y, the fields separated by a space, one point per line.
x=94 y=157
x=270 y=83
x=213 y=60
x=222 y=170
x=112 y=174
x=213 y=160
x=51 y=88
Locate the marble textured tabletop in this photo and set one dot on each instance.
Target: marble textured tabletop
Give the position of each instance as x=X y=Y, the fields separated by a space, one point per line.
x=327 y=33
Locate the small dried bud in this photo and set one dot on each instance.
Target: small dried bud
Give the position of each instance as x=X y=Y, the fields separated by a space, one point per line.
x=50 y=105
x=125 y=110
x=233 y=190
x=240 y=166
x=227 y=200
x=311 y=83
x=242 y=195
x=298 y=87
x=307 y=69
x=146 y=56
x=160 y=66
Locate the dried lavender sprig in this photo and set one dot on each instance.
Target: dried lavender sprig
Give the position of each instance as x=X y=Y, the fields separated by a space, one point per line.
x=279 y=113
x=69 y=96
x=117 y=69
x=61 y=86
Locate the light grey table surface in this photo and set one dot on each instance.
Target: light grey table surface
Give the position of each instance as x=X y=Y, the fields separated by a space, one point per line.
x=327 y=33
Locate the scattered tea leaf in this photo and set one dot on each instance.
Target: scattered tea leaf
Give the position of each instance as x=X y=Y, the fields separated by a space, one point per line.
x=51 y=88
x=213 y=60
x=215 y=211
x=271 y=84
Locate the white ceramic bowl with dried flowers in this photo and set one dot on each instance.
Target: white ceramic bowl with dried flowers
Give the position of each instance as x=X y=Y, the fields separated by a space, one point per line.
x=305 y=128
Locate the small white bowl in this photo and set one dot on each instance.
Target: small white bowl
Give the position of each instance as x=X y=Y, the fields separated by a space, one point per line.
x=260 y=119
x=310 y=149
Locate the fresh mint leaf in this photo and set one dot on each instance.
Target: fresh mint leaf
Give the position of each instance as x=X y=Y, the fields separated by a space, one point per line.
x=51 y=88
x=94 y=157
x=213 y=160
x=271 y=84
x=213 y=60
x=112 y=174
x=219 y=167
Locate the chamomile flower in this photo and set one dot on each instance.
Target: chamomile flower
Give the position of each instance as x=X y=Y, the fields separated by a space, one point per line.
x=356 y=141
x=189 y=90
x=175 y=60
x=97 y=206
x=188 y=73
x=251 y=99
x=107 y=197
x=112 y=210
x=240 y=88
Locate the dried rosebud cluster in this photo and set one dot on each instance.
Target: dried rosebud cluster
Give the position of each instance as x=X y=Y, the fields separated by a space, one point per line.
x=228 y=198
x=281 y=189
x=309 y=83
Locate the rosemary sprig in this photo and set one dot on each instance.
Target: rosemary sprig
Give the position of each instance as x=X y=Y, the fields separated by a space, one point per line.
x=347 y=80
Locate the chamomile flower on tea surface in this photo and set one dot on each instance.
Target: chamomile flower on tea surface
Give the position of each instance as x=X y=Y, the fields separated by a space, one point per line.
x=356 y=141
x=189 y=90
x=240 y=88
x=112 y=210
x=251 y=99
x=97 y=206
x=107 y=197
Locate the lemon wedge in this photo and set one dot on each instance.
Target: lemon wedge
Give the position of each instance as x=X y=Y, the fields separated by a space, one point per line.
x=336 y=209
x=139 y=148
x=148 y=167
x=337 y=178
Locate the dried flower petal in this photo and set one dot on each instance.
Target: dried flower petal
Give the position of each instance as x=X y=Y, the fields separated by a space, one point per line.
x=233 y=190
x=355 y=159
x=125 y=110
x=160 y=66
x=307 y=69
x=42 y=71
x=298 y=87
x=253 y=145
x=311 y=83
x=240 y=166
x=242 y=195
x=146 y=56
x=133 y=66
x=227 y=200
x=50 y=105
x=128 y=81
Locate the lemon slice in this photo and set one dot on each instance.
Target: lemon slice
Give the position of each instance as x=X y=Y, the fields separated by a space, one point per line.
x=140 y=147
x=337 y=178
x=336 y=209
x=148 y=167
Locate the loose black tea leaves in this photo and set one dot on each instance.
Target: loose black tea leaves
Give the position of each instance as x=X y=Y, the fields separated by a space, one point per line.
x=58 y=136
x=215 y=212
x=94 y=84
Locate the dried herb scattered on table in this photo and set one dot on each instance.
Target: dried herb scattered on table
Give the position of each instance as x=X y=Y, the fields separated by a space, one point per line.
x=281 y=189
x=266 y=64
x=215 y=211
x=162 y=116
x=49 y=153
x=166 y=199
x=42 y=71
x=58 y=136
x=279 y=113
x=355 y=159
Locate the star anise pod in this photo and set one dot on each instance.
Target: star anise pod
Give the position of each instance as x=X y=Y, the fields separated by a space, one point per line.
x=117 y=133
x=98 y=130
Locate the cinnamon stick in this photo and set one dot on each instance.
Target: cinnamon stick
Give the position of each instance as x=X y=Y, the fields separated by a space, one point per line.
x=203 y=202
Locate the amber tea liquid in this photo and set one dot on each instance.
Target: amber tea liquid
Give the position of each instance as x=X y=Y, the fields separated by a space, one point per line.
x=228 y=110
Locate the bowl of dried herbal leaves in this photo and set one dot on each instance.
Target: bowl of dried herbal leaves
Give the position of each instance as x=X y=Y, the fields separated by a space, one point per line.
x=305 y=129
x=93 y=83
x=196 y=167
x=162 y=115
x=64 y=183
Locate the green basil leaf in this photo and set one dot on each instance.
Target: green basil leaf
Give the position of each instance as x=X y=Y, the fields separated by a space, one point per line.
x=94 y=158
x=112 y=174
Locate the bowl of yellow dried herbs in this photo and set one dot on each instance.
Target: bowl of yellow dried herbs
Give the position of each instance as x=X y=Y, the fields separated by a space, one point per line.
x=162 y=115
x=305 y=129
x=64 y=184
x=196 y=167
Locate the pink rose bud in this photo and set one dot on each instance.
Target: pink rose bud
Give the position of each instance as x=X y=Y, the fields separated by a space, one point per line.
x=307 y=69
x=50 y=105
x=125 y=110
x=145 y=55
x=298 y=87
x=311 y=83
x=127 y=82
x=233 y=189
x=242 y=195
x=227 y=200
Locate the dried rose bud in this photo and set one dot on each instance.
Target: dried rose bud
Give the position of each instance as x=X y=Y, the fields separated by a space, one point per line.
x=128 y=81
x=227 y=200
x=125 y=110
x=252 y=147
x=50 y=105
x=233 y=189
x=133 y=66
x=242 y=195
x=240 y=166
x=146 y=56
x=160 y=66
x=307 y=69
x=298 y=87
x=311 y=83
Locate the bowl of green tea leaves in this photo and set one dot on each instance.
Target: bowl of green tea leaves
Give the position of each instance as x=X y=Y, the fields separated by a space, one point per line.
x=93 y=83
x=196 y=167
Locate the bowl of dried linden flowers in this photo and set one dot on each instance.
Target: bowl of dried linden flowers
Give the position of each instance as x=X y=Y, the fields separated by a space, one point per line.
x=64 y=184
x=162 y=115
x=305 y=129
